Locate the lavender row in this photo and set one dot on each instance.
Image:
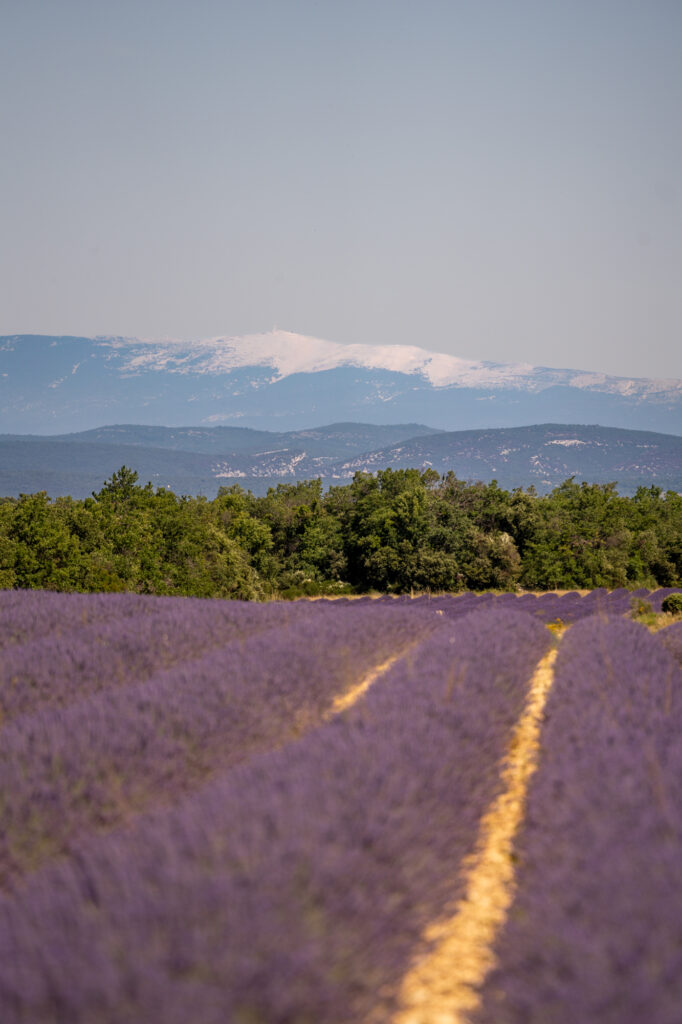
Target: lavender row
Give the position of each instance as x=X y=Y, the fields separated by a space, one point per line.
x=671 y=637
x=65 y=771
x=297 y=886
x=117 y=649
x=573 y=606
x=595 y=934
x=30 y=614
x=569 y=607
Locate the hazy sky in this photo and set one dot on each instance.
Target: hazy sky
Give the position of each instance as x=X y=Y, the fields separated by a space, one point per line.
x=497 y=179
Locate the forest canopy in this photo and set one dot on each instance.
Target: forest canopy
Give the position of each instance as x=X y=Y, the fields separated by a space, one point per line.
x=394 y=531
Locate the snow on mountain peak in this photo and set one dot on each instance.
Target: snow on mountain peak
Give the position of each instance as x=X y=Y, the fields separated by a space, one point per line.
x=286 y=353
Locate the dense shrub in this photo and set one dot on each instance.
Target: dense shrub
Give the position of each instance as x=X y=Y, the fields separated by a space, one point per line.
x=397 y=531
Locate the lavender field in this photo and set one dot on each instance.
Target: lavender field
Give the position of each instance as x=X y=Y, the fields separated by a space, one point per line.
x=389 y=810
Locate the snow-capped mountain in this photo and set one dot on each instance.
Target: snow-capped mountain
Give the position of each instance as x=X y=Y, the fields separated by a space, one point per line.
x=286 y=353
x=280 y=380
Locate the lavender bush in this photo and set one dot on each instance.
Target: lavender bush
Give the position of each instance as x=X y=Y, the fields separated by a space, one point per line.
x=671 y=637
x=77 y=659
x=29 y=614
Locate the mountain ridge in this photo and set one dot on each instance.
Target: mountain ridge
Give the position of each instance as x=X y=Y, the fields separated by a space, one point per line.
x=284 y=381
x=542 y=455
x=289 y=353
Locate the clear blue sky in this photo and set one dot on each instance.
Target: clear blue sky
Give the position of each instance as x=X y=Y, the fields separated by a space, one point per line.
x=498 y=179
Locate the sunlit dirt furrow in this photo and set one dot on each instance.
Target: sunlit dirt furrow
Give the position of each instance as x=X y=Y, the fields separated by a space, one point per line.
x=442 y=987
x=346 y=700
x=303 y=722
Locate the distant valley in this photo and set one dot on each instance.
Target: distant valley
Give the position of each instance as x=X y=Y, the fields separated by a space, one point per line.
x=191 y=460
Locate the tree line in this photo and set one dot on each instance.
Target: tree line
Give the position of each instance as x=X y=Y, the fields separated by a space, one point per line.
x=393 y=531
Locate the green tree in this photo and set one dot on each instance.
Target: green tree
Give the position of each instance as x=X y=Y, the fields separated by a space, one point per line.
x=46 y=555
